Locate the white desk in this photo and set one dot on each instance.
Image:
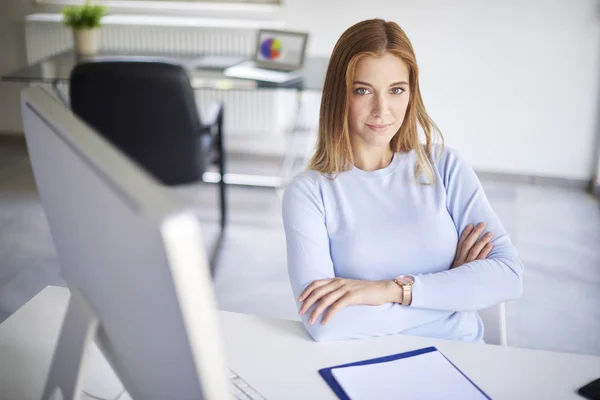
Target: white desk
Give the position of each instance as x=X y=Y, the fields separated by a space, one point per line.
x=278 y=358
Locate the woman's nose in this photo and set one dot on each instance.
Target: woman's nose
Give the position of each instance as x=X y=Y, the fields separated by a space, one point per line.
x=380 y=106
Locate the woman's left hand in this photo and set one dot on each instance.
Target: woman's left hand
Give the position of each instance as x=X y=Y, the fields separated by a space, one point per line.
x=338 y=293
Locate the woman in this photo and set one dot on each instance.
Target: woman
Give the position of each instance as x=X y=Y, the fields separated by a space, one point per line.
x=372 y=227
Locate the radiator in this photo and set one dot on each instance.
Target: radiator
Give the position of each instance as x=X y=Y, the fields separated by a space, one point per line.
x=255 y=121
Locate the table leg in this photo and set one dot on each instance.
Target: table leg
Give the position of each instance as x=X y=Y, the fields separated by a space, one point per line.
x=287 y=168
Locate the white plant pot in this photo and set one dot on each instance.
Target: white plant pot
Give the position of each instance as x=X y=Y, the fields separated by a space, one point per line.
x=87 y=41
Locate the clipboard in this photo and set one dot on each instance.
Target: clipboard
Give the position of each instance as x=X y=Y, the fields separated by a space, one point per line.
x=327 y=373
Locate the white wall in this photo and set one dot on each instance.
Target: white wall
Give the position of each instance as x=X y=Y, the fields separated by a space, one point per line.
x=513 y=84
x=12 y=56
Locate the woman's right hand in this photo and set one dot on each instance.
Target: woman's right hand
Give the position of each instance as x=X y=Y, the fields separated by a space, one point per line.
x=471 y=247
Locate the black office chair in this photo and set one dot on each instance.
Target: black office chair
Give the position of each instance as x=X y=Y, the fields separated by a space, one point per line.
x=147 y=109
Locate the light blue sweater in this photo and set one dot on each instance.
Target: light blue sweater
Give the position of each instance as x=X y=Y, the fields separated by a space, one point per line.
x=381 y=224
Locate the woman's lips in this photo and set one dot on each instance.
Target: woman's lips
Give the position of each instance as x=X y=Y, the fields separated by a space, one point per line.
x=379 y=127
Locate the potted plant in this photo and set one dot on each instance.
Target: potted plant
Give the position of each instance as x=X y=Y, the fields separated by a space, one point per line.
x=85 y=20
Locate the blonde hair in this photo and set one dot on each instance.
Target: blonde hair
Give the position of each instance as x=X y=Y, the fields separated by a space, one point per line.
x=370 y=38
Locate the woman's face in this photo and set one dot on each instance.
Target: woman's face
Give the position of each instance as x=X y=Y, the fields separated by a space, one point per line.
x=378 y=100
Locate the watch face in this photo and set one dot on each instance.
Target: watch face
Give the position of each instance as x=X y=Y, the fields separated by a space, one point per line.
x=405 y=280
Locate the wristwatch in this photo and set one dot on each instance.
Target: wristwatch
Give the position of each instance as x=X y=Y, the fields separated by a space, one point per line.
x=405 y=282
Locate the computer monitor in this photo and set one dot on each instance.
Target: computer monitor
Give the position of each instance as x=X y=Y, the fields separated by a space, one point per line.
x=134 y=262
x=280 y=50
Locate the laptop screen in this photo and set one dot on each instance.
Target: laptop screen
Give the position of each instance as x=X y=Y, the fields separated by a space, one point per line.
x=280 y=49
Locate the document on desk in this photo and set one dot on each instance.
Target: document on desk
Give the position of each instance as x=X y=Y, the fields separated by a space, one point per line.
x=420 y=374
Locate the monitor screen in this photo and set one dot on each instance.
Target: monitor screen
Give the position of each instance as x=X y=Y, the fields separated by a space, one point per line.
x=280 y=48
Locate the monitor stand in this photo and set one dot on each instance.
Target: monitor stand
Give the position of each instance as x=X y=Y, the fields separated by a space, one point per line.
x=78 y=365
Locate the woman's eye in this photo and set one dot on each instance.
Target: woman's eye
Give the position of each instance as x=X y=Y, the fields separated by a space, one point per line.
x=361 y=91
x=397 y=90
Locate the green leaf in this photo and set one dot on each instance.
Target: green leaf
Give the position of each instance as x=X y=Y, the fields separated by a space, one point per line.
x=84 y=16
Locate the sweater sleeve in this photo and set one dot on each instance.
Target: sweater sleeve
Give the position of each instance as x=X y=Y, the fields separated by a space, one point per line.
x=309 y=259
x=481 y=283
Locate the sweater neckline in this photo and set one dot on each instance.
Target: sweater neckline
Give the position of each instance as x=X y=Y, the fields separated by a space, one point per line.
x=378 y=173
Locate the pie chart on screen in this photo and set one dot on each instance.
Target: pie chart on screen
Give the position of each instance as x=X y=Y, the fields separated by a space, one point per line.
x=271 y=48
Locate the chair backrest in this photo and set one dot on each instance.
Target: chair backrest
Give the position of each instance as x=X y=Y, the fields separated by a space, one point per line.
x=147 y=109
x=494 y=323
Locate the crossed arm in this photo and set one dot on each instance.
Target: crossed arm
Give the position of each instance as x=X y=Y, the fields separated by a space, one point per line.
x=334 y=294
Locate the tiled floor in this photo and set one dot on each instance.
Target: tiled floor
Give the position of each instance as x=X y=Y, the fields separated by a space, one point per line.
x=556 y=231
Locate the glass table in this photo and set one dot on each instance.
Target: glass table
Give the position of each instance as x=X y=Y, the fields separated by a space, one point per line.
x=56 y=70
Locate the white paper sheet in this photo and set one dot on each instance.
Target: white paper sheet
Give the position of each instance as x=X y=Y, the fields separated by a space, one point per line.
x=426 y=376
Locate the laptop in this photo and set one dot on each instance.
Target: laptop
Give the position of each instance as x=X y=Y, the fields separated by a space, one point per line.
x=278 y=57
